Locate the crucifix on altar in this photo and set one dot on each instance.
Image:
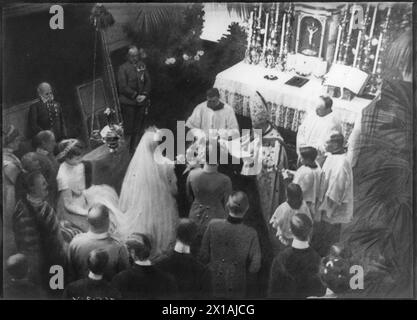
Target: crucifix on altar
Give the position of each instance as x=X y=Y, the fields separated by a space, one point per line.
x=316 y=29
x=311 y=29
x=310 y=36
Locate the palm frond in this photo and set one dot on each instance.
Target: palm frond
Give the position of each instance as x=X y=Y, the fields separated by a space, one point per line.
x=240 y=8
x=152 y=17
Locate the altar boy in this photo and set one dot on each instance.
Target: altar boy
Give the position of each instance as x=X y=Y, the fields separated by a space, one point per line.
x=337 y=195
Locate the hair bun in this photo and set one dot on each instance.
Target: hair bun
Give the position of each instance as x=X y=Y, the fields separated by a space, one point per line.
x=65 y=146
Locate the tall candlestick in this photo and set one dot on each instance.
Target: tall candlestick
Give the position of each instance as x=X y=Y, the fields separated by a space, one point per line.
x=357 y=48
x=260 y=11
x=352 y=17
x=266 y=32
x=281 y=45
x=342 y=36
x=371 y=33
x=360 y=49
x=277 y=14
x=250 y=28
x=377 y=53
x=287 y=29
x=367 y=48
x=339 y=34
x=349 y=35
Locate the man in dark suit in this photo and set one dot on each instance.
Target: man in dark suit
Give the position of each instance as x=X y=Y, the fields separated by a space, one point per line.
x=46 y=114
x=134 y=88
x=231 y=249
x=295 y=270
x=192 y=277
x=98 y=236
x=94 y=287
x=143 y=281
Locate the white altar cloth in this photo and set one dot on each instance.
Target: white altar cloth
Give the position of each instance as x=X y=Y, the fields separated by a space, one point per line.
x=288 y=104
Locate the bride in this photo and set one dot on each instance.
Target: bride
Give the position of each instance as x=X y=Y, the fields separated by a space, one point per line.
x=147 y=199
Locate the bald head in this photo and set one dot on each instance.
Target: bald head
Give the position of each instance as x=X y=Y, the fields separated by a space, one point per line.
x=133 y=54
x=45 y=91
x=17 y=266
x=44 y=86
x=98 y=218
x=133 y=51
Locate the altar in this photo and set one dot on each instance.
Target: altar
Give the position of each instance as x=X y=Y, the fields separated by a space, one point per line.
x=287 y=104
x=296 y=52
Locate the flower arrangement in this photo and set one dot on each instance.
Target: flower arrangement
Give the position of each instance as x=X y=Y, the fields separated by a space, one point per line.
x=169 y=61
x=187 y=58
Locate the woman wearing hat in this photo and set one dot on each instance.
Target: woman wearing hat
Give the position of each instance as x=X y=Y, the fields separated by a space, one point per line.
x=12 y=168
x=74 y=176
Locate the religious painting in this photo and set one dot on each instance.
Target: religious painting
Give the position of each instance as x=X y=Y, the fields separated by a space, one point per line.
x=310 y=36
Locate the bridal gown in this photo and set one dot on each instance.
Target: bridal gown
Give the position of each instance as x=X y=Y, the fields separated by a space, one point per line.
x=147 y=199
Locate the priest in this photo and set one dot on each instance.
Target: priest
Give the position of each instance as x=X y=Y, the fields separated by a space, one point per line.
x=317 y=127
x=271 y=160
x=214 y=114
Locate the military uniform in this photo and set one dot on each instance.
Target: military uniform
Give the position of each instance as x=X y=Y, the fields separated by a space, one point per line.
x=46 y=116
x=133 y=81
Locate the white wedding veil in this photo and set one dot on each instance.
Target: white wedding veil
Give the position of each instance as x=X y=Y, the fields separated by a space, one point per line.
x=145 y=195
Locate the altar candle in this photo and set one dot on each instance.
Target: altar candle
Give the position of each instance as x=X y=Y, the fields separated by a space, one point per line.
x=371 y=33
x=377 y=53
x=352 y=17
x=282 y=35
x=357 y=48
x=250 y=28
x=339 y=34
x=260 y=12
x=266 y=31
x=276 y=15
